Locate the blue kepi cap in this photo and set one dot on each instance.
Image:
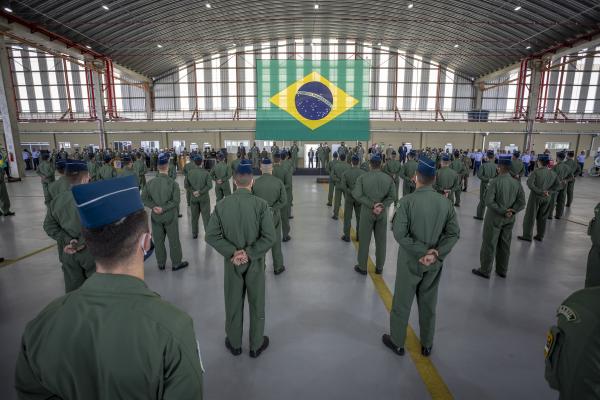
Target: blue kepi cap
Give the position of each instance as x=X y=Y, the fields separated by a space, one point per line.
x=426 y=166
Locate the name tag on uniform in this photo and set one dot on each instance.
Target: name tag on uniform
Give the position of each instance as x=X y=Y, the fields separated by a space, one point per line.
x=567 y=312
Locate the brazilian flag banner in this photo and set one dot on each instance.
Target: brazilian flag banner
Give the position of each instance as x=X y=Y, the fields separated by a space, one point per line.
x=320 y=100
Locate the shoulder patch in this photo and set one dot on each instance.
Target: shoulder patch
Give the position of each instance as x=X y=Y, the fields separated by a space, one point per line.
x=549 y=343
x=566 y=312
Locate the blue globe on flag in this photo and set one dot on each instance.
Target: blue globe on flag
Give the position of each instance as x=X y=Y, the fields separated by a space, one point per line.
x=314 y=100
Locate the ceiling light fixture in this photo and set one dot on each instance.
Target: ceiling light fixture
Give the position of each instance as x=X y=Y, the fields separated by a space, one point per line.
x=528 y=47
x=410 y=5
x=8 y=9
x=379 y=44
x=159 y=46
x=517 y=8
x=456 y=46
x=87 y=46
x=105 y=7
x=316 y=6
x=208 y=5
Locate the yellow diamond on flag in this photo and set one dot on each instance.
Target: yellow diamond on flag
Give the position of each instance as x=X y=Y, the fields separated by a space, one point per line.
x=314 y=101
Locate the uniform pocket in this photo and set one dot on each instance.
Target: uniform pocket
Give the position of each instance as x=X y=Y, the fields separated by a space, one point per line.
x=552 y=351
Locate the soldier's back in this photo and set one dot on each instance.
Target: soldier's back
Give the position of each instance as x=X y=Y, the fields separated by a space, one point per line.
x=375 y=185
x=268 y=188
x=241 y=214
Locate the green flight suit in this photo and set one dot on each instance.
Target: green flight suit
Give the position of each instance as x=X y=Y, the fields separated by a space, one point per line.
x=186 y=170
x=172 y=171
x=337 y=173
x=232 y=168
x=163 y=192
x=348 y=183
x=294 y=151
x=124 y=342
x=571 y=184
x=282 y=173
x=446 y=179
x=517 y=169
x=371 y=188
x=54 y=189
x=289 y=167
x=129 y=171
x=221 y=172
x=62 y=224
x=365 y=166
x=153 y=161
x=592 y=276
x=424 y=220
x=565 y=175
x=199 y=183
x=409 y=169
x=4 y=199
x=92 y=167
x=460 y=168
x=393 y=168
x=243 y=222
x=539 y=206
x=106 y=171
x=572 y=351
x=272 y=190
x=329 y=168
x=47 y=173
x=503 y=192
x=139 y=166
x=486 y=172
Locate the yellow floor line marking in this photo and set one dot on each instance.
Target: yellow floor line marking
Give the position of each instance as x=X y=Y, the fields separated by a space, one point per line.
x=434 y=382
x=6 y=263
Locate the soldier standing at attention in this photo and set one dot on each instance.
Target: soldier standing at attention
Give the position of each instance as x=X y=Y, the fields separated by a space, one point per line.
x=274 y=149
x=466 y=160
x=573 y=345
x=447 y=181
x=140 y=169
x=504 y=198
x=186 y=171
x=320 y=155
x=409 y=169
x=128 y=167
x=220 y=173
x=233 y=166
x=153 y=160
x=329 y=167
x=294 y=152
x=92 y=165
x=337 y=173
x=565 y=175
x=4 y=199
x=426 y=229
x=375 y=191
x=393 y=168
x=287 y=163
x=280 y=172
x=576 y=171
x=517 y=167
x=272 y=190
x=241 y=230
x=46 y=173
x=348 y=183
x=198 y=182
x=542 y=183
x=172 y=171
x=107 y=357
x=161 y=195
x=592 y=276
x=460 y=168
x=485 y=173
x=107 y=171
x=62 y=224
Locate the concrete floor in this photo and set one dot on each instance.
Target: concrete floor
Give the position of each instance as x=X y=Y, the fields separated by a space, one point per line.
x=325 y=321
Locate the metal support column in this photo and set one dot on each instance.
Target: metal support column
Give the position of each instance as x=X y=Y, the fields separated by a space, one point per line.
x=532 y=101
x=99 y=104
x=8 y=109
x=149 y=93
x=478 y=95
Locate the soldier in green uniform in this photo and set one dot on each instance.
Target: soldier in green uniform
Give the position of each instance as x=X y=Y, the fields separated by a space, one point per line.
x=320 y=155
x=572 y=351
x=255 y=156
x=294 y=153
x=517 y=168
x=123 y=340
x=107 y=171
x=329 y=168
x=486 y=172
x=592 y=276
x=186 y=170
x=350 y=204
x=233 y=167
x=459 y=167
x=4 y=199
x=220 y=173
x=62 y=224
x=153 y=160
x=198 y=182
x=393 y=168
x=92 y=165
x=564 y=172
x=282 y=173
x=426 y=229
x=542 y=184
x=172 y=170
x=264 y=154
x=466 y=160
x=127 y=168
x=337 y=173
x=447 y=181
x=504 y=198
x=272 y=190
x=576 y=171
x=274 y=149
x=409 y=169
x=139 y=166
x=375 y=191
x=286 y=162
x=161 y=195
x=47 y=174
x=241 y=230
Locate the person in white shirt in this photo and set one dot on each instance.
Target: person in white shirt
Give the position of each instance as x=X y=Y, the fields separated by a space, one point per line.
x=526 y=158
x=27 y=159
x=36 y=158
x=477 y=158
x=581 y=161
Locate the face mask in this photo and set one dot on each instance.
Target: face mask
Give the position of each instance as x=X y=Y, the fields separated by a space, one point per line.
x=150 y=251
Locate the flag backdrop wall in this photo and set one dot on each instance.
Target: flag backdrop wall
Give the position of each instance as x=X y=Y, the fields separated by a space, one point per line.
x=316 y=100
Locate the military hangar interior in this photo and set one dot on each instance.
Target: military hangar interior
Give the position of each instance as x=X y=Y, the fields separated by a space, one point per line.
x=192 y=78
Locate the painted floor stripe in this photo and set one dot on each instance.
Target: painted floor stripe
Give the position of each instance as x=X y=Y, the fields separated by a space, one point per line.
x=6 y=263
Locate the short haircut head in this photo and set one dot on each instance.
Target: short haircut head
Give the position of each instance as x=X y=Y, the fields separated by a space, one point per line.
x=111 y=244
x=243 y=179
x=355 y=161
x=343 y=157
x=425 y=179
x=375 y=163
x=504 y=168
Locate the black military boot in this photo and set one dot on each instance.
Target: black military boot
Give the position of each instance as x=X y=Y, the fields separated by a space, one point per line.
x=181 y=265
x=345 y=238
x=387 y=341
x=479 y=273
x=256 y=353
x=235 y=352
x=425 y=351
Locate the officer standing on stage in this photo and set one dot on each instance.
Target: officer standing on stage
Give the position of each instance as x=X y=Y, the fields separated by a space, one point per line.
x=272 y=190
x=393 y=168
x=426 y=229
x=504 y=198
x=375 y=191
x=485 y=173
x=113 y=338
x=542 y=184
x=447 y=181
x=198 y=182
x=592 y=277
x=350 y=204
x=241 y=229
x=329 y=166
x=338 y=170
x=409 y=169
x=161 y=196
x=47 y=174
x=220 y=173
x=461 y=169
